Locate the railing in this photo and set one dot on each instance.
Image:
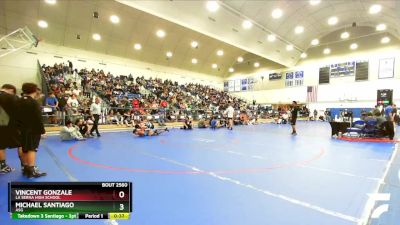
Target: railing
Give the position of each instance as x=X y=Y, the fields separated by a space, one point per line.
x=126 y=116
x=44 y=85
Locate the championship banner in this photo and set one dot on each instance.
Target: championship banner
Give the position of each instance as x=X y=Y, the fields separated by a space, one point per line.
x=275 y=76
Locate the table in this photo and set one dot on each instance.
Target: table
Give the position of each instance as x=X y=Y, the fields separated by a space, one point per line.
x=339 y=127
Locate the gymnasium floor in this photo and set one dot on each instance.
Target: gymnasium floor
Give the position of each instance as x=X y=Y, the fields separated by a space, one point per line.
x=252 y=175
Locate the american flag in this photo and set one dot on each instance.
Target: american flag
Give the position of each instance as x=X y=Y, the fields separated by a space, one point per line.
x=312 y=93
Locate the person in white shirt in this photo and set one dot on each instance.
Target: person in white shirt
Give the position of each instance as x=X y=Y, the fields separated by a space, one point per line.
x=95 y=111
x=69 y=132
x=73 y=104
x=76 y=91
x=229 y=113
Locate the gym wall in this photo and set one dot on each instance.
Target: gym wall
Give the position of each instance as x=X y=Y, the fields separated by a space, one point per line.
x=328 y=94
x=21 y=66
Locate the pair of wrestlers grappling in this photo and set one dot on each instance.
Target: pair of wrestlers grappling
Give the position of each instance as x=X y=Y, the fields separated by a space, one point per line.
x=147 y=129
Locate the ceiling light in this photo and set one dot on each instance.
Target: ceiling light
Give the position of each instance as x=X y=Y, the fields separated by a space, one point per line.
x=256 y=64
x=344 y=35
x=220 y=53
x=289 y=47
x=169 y=54
x=271 y=38
x=299 y=29
x=212 y=6
x=114 y=19
x=194 y=61
x=315 y=42
x=327 y=51
x=194 y=44
x=353 y=46
x=385 y=40
x=137 y=46
x=42 y=24
x=381 y=27
x=333 y=20
x=315 y=2
x=240 y=59
x=231 y=70
x=247 y=24
x=214 y=66
x=277 y=13
x=374 y=9
x=303 y=55
x=160 y=33
x=96 y=37
x=51 y=2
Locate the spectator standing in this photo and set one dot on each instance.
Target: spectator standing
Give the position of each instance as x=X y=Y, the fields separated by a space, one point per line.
x=315 y=114
x=388 y=113
x=294 y=112
x=70 y=66
x=229 y=114
x=395 y=114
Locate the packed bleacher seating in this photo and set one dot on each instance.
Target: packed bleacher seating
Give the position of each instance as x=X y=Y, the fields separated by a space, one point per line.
x=72 y=91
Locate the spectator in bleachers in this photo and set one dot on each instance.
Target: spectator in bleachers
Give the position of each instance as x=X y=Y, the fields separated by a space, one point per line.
x=72 y=106
x=52 y=102
x=128 y=118
x=148 y=96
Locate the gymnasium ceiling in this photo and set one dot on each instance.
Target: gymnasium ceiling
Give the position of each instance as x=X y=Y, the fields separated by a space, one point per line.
x=187 y=21
x=225 y=24
x=67 y=18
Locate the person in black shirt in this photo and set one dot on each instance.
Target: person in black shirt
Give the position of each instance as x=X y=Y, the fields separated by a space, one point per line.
x=395 y=114
x=32 y=128
x=62 y=102
x=294 y=112
x=9 y=132
x=187 y=125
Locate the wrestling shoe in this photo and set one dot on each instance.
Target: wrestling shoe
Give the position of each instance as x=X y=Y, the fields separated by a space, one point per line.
x=33 y=172
x=6 y=169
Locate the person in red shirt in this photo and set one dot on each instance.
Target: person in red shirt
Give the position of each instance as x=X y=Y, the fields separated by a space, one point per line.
x=135 y=103
x=164 y=104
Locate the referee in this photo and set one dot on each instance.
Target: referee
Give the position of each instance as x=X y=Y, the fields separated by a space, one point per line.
x=95 y=110
x=293 y=119
x=8 y=125
x=32 y=128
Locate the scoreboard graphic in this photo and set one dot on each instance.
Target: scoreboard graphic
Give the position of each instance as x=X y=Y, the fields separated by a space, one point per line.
x=70 y=200
x=384 y=97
